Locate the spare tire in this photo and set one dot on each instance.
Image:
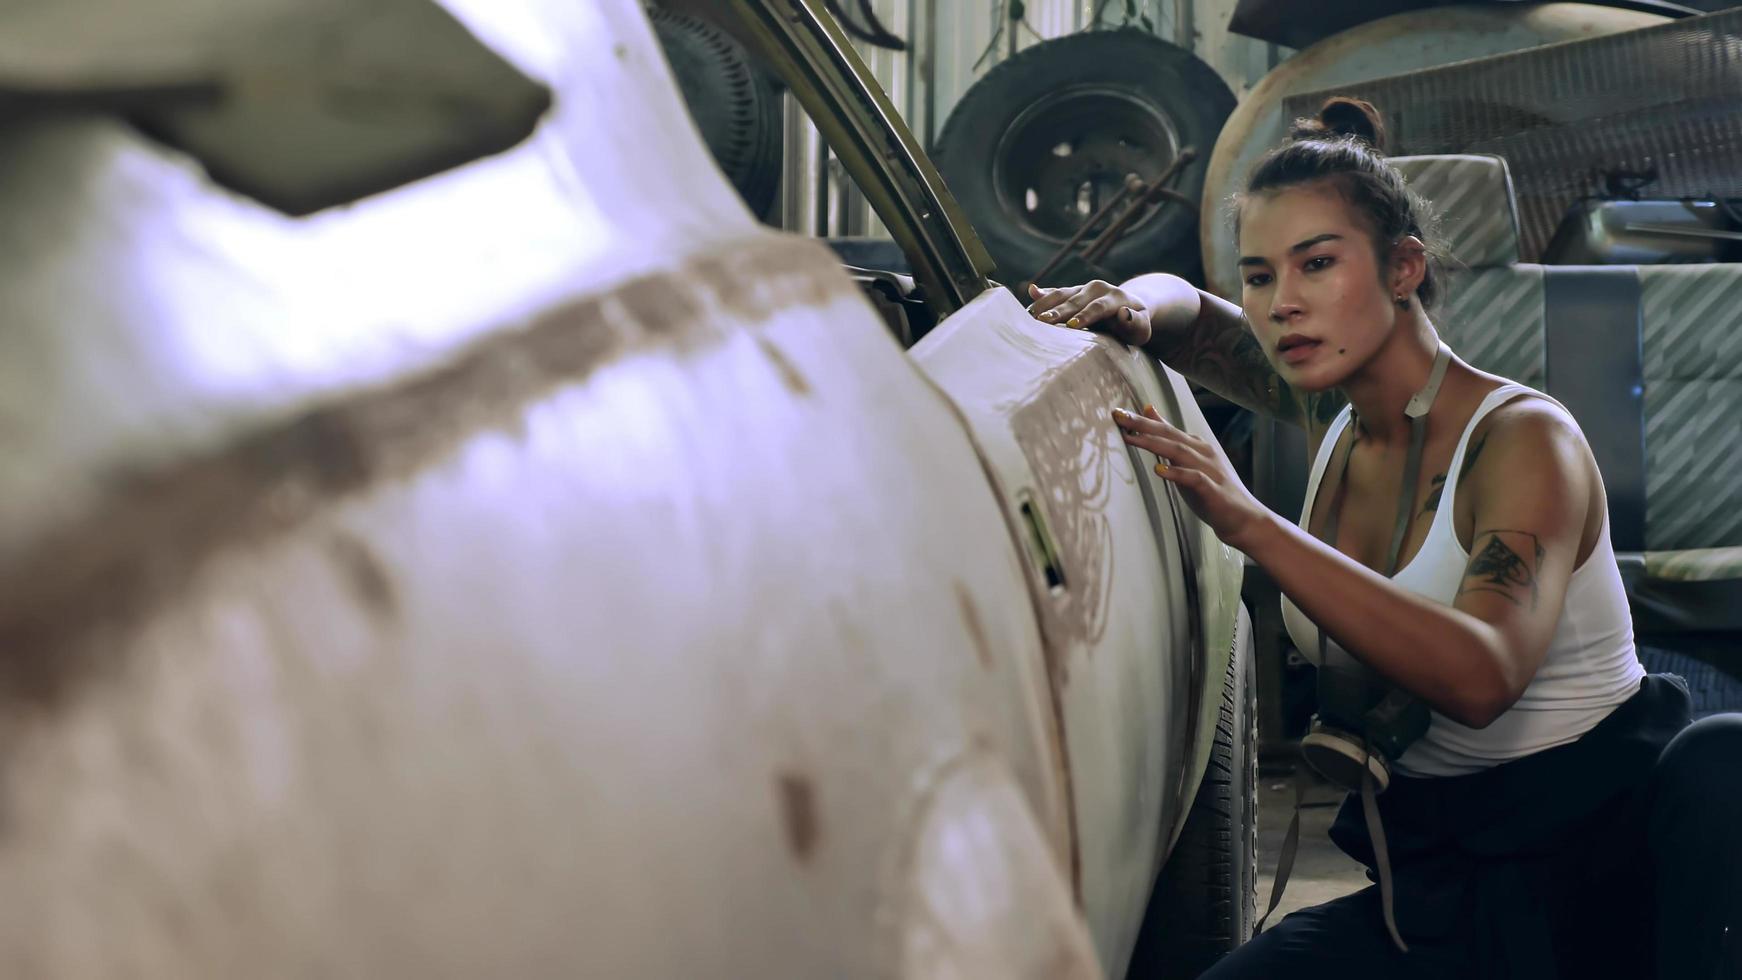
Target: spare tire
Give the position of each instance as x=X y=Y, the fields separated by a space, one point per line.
x=734 y=102
x=1045 y=138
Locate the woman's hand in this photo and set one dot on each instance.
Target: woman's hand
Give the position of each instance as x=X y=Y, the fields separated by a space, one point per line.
x=1099 y=306
x=1201 y=471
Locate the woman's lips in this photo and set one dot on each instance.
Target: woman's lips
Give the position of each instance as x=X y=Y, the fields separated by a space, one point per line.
x=1299 y=351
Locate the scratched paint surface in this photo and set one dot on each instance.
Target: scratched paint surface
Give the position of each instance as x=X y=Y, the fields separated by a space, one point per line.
x=1122 y=662
x=510 y=574
x=521 y=571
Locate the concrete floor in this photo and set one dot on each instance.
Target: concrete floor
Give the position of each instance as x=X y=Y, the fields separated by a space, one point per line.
x=1321 y=872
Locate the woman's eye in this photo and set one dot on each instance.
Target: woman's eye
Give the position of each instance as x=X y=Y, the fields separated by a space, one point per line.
x=1319 y=262
x=1257 y=279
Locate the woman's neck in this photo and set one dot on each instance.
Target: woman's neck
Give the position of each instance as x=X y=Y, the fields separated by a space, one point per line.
x=1382 y=388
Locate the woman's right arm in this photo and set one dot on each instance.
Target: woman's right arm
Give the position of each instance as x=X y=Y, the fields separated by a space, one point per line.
x=1201 y=336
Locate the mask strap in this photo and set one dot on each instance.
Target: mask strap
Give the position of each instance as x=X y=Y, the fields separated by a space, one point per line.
x=1290 y=844
x=1381 y=854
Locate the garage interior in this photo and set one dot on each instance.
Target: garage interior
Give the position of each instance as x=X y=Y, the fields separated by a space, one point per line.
x=1094 y=141
x=546 y=489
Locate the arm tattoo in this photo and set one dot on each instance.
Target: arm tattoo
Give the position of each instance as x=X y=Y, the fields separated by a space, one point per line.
x=1433 y=497
x=1227 y=359
x=1497 y=568
x=1470 y=458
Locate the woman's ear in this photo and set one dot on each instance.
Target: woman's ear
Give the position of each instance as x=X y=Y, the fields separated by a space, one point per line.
x=1408 y=265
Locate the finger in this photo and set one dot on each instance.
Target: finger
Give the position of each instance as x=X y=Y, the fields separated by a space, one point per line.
x=1046 y=305
x=1151 y=445
x=1145 y=423
x=1159 y=446
x=1069 y=306
x=1205 y=448
x=1154 y=440
x=1154 y=418
x=1180 y=475
x=1155 y=437
x=1096 y=312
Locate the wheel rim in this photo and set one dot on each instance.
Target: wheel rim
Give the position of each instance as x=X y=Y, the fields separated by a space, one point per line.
x=1068 y=154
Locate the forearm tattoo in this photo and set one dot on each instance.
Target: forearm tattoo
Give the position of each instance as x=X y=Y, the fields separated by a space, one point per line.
x=1507 y=564
x=1227 y=359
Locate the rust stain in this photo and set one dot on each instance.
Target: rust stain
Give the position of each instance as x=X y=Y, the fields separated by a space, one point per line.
x=366 y=576
x=77 y=586
x=789 y=374
x=663 y=313
x=798 y=813
x=976 y=626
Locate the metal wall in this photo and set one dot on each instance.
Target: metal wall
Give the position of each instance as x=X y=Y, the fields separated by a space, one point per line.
x=953 y=43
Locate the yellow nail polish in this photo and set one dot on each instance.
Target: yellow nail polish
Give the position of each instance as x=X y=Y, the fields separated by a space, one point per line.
x=1161 y=468
x=1072 y=323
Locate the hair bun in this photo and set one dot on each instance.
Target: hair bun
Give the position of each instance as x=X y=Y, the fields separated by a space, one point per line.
x=1344 y=118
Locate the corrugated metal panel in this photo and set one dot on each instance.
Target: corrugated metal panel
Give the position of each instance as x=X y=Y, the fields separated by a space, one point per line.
x=962 y=51
x=1240 y=60
x=1053 y=18
x=852 y=212
x=799 y=176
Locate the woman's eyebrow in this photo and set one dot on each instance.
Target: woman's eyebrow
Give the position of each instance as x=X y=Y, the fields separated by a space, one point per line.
x=1296 y=249
x=1315 y=240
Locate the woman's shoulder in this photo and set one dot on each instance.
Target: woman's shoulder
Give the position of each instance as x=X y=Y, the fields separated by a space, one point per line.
x=1524 y=440
x=1524 y=414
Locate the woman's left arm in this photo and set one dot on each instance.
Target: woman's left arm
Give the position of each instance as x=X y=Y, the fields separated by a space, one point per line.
x=1469 y=661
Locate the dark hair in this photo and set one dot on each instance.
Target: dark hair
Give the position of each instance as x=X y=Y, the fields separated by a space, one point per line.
x=1345 y=148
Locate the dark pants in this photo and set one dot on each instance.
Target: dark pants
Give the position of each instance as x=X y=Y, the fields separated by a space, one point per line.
x=1692 y=819
x=1696 y=845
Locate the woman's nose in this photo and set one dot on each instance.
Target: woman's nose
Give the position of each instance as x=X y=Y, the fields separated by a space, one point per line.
x=1284 y=308
x=1285 y=302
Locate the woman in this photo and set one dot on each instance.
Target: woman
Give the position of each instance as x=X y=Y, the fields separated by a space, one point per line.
x=1512 y=822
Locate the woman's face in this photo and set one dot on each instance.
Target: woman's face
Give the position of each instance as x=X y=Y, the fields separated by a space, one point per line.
x=1311 y=285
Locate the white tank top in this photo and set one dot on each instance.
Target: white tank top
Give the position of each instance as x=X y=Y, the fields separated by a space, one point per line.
x=1591 y=666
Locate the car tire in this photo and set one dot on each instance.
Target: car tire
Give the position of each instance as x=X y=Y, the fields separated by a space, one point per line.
x=1033 y=148
x=734 y=102
x=1206 y=899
